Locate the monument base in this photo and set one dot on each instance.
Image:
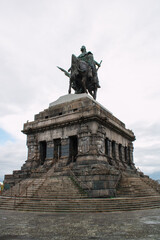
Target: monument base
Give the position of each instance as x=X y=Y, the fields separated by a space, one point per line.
x=78 y=133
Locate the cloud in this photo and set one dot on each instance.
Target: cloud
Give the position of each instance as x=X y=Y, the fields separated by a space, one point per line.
x=4 y=136
x=155 y=175
x=12 y=157
x=147 y=150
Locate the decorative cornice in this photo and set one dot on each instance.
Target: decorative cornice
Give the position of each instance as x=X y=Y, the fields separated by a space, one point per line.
x=79 y=120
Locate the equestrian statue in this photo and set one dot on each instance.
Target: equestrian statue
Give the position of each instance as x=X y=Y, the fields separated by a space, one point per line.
x=83 y=73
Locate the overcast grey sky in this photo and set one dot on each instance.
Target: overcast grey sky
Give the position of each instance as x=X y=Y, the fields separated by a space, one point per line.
x=38 y=35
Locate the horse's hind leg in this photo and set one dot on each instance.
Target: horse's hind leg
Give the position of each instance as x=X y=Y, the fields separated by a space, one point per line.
x=95 y=94
x=90 y=92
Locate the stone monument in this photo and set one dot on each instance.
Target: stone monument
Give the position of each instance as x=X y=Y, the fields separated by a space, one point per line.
x=77 y=136
x=78 y=132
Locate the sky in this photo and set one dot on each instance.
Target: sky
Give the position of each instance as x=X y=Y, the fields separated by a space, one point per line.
x=38 y=35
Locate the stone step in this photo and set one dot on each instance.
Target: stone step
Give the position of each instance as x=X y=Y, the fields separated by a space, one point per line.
x=136 y=191
x=78 y=205
x=91 y=200
x=134 y=186
x=152 y=183
x=51 y=187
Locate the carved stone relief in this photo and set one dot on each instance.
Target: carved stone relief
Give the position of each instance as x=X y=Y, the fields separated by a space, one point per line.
x=84 y=145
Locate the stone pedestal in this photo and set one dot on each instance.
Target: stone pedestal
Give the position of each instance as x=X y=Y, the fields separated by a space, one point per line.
x=77 y=131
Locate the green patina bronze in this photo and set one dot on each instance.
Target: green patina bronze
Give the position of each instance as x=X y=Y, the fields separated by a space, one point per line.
x=83 y=73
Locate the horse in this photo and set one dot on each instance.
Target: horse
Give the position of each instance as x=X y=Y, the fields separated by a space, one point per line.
x=82 y=77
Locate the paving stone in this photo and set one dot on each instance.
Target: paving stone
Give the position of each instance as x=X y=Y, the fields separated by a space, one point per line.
x=141 y=225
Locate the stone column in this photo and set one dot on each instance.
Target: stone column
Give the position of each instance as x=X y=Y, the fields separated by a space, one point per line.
x=117 y=157
x=33 y=154
x=130 y=152
x=123 y=157
x=113 y=153
x=110 y=148
x=116 y=151
x=123 y=154
x=126 y=155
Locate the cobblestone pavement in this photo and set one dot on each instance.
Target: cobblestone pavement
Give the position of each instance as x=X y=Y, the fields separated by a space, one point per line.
x=142 y=225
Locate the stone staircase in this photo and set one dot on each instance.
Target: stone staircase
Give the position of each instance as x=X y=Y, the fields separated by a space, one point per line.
x=152 y=183
x=25 y=188
x=19 y=189
x=59 y=187
x=79 y=205
x=58 y=193
x=29 y=186
x=134 y=186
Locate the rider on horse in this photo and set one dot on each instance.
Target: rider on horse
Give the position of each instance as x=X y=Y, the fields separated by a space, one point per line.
x=83 y=73
x=88 y=58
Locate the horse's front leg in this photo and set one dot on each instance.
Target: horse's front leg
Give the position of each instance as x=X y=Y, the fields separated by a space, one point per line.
x=84 y=79
x=69 y=90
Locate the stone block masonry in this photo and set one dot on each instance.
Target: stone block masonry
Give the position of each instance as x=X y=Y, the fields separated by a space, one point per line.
x=79 y=133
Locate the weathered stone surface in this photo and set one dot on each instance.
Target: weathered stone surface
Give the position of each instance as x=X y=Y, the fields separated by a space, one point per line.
x=84 y=226
x=78 y=132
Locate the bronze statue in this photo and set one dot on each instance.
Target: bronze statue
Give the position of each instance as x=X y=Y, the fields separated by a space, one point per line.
x=83 y=73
